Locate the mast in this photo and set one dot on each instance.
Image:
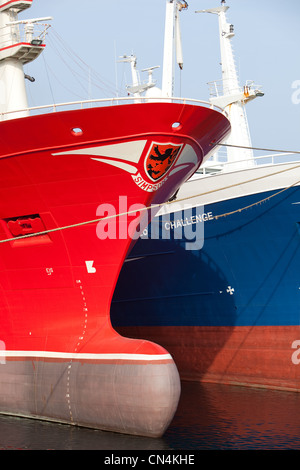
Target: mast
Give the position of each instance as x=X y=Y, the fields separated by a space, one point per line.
x=228 y=94
x=137 y=88
x=19 y=45
x=172 y=42
x=172 y=48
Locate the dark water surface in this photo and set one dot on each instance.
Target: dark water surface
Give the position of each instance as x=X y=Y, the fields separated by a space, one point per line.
x=208 y=417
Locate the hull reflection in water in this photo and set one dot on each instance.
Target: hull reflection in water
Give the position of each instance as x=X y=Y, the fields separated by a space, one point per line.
x=209 y=416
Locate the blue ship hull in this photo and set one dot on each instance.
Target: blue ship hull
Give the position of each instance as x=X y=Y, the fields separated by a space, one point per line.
x=228 y=311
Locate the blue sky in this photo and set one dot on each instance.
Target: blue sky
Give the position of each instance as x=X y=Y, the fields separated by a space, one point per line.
x=86 y=39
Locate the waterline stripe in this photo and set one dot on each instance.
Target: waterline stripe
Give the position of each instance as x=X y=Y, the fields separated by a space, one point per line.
x=63 y=355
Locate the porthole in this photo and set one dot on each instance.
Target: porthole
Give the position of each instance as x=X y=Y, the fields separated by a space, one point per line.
x=77 y=131
x=176 y=126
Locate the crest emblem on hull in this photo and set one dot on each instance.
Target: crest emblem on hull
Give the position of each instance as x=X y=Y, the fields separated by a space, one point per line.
x=148 y=172
x=160 y=158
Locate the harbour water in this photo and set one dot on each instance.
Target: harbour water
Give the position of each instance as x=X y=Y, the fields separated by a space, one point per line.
x=209 y=417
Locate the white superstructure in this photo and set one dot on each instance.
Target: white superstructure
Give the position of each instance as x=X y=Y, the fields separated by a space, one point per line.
x=20 y=43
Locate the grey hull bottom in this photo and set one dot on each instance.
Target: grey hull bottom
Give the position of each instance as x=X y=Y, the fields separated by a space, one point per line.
x=131 y=398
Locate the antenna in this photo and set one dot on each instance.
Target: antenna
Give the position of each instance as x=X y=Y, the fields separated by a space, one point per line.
x=33 y=20
x=137 y=87
x=150 y=73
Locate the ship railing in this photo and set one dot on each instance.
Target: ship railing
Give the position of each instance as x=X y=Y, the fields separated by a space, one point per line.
x=217 y=166
x=222 y=87
x=83 y=104
x=27 y=31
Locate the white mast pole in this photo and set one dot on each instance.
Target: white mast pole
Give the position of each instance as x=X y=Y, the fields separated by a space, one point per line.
x=236 y=111
x=168 y=60
x=12 y=84
x=232 y=97
x=172 y=43
x=178 y=45
x=16 y=49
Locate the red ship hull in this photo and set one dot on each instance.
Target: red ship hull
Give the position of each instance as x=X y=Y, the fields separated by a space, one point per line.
x=60 y=358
